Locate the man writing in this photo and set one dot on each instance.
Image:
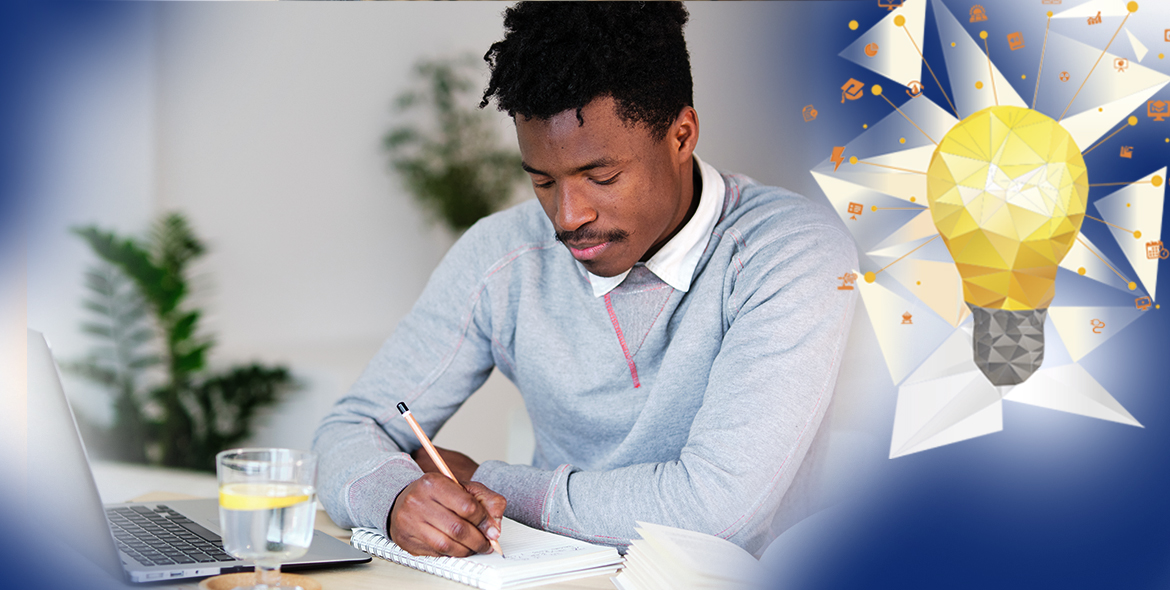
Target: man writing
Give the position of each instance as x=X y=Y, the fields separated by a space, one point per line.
x=675 y=332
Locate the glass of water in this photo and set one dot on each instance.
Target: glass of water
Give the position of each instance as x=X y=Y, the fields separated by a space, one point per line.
x=267 y=505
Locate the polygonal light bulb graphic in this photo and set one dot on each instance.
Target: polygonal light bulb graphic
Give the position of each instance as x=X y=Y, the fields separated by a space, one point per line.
x=1007 y=189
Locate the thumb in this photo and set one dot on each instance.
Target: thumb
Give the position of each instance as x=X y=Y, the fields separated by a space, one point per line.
x=493 y=503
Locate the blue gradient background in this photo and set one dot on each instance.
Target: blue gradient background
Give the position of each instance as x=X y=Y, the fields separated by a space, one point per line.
x=1053 y=501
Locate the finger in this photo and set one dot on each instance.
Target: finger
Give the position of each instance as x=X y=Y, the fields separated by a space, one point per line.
x=423 y=522
x=455 y=532
x=494 y=504
x=454 y=497
x=432 y=540
x=453 y=510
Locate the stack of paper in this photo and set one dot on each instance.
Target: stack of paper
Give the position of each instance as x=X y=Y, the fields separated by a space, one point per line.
x=667 y=558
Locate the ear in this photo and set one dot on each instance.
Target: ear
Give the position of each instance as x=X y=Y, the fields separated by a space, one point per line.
x=684 y=135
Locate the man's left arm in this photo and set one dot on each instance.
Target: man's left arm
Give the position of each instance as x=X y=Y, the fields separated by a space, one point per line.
x=767 y=393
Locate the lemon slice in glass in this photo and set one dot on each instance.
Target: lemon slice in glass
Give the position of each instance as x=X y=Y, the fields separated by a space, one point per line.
x=262 y=496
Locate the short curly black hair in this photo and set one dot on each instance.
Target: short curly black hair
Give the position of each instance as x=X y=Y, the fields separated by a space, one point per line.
x=557 y=56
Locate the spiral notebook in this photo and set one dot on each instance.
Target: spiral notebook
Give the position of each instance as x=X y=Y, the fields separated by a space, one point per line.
x=535 y=558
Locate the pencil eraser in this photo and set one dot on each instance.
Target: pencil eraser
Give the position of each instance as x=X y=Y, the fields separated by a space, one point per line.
x=402 y=407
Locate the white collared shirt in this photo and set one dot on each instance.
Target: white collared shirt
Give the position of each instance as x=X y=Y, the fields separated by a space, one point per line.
x=675 y=262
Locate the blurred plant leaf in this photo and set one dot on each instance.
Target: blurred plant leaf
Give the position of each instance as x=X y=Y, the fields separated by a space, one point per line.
x=143 y=323
x=456 y=171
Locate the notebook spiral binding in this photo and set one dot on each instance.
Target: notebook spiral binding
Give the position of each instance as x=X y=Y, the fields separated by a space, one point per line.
x=464 y=572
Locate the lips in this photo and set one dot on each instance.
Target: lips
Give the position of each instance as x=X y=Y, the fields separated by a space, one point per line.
x=584 y=252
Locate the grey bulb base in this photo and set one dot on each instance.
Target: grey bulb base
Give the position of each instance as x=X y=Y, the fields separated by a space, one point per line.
x=1009 y=345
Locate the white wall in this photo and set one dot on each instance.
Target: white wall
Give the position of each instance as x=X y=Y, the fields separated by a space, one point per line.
x=93 y=163
x=262 y=122
x=270 y=123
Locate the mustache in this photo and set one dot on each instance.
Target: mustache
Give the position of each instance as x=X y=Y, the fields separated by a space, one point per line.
x=591 y=235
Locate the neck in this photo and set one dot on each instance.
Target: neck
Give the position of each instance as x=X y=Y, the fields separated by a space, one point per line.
x=692 y=187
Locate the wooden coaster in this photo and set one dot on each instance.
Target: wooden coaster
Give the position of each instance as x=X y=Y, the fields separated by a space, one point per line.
x=248 y=579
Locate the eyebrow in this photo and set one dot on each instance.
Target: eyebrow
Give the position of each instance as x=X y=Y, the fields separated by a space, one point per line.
x=598 y=163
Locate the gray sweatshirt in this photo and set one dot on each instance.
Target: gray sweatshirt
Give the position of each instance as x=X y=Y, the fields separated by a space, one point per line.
x=691 y=409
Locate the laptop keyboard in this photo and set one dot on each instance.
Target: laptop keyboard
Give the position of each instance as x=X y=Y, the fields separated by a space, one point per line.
x=161 y=536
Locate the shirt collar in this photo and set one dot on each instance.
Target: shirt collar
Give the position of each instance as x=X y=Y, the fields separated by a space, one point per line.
x=675 y=262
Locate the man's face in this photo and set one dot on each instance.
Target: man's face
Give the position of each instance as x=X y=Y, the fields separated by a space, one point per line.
x=614 y=194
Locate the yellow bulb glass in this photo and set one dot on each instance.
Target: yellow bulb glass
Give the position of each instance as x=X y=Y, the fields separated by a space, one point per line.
x=1007 y=189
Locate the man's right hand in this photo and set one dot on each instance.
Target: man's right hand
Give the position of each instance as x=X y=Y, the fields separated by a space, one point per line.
x=436 y=516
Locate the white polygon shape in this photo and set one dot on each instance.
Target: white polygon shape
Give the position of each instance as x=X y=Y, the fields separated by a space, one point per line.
x=967 y=64
x=1107 y=98
x=921 y=226
x=868 y=228
x=1139 y=50
x=952 y=357
x=909 y=159
x=1070 y=388
x=944 y=411
x=1075 y=326
x=1084 y=254
x=897 y=58
x=936 y=284
x=903 y=346
x=1092 y=7
x=1143 y=214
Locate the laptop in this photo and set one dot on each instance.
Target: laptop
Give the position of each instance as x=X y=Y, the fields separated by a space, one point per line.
x=137 y=542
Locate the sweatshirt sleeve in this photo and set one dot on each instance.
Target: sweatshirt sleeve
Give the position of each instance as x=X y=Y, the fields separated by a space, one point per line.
x=439 y=349
x=767 y=393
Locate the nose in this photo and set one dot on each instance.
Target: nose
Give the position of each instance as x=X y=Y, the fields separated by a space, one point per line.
x=573 y=207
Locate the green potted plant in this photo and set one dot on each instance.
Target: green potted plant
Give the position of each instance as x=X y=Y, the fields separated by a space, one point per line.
x=169 y=407
x=456 y=169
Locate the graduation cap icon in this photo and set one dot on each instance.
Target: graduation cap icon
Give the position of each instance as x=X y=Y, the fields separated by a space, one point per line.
x=852 y=90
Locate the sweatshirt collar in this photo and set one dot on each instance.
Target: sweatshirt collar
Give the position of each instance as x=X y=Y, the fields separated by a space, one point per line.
x=675 y=262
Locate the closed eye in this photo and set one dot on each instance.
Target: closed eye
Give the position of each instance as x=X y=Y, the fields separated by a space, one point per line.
x=609 y=180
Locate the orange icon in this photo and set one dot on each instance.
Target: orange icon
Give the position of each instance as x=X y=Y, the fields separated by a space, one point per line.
x=1127 y=151
x=914 y=88
x=1095 y=20
x=1156 y=250
x=847 y=281
x=1015 y=40
x=1098 y=325
x=852 y=90
x=1064 y=76
x=1167 y=35
x=978 y=14
x=1120 y=63
x=1158 y=110
x=871 y=49
x=837 y=158
x=906 y=318
x=1142 y=303
x=809 y=113
x=855 y=209
x=890 y=4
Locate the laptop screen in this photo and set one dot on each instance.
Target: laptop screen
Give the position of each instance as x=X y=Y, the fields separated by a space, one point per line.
x=61 y=488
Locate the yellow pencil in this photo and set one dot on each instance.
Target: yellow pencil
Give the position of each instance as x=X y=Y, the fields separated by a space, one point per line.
x=426 y=443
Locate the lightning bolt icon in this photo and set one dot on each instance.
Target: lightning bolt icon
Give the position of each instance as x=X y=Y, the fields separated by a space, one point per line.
x=837 y=157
